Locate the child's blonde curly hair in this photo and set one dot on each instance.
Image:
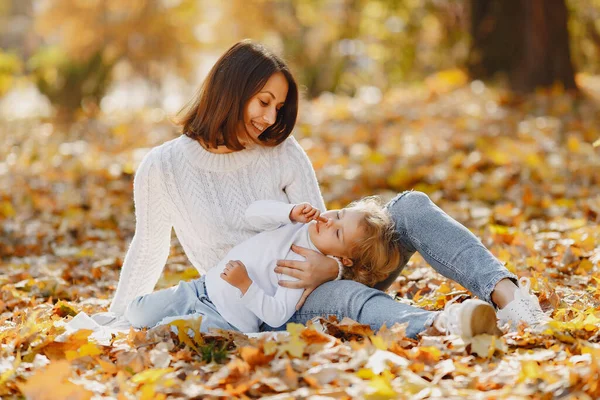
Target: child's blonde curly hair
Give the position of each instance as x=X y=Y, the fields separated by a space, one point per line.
x=377 y=254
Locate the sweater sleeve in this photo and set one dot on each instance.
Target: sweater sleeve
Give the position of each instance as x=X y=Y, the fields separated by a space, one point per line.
x=268 y=214
x=150 y=245
x=274 y=310
x=300 y=180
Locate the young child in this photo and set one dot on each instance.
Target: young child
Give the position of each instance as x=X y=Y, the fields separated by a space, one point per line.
x=242 y=291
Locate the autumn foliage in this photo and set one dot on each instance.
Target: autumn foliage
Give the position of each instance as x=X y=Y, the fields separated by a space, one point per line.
x=520 y=172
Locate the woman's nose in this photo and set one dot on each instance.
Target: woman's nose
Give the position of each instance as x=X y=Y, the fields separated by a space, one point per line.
x=270 y=116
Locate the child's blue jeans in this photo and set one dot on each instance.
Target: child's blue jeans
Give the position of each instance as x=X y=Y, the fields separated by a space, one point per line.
x=449 y=247
x=187 y=300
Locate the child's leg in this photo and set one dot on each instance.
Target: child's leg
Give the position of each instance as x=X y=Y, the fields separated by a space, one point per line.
x=211 y=319
x=449 y=247
x=148 y=310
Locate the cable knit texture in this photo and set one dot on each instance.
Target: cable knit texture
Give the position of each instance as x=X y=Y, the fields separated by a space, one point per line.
x=204 y=196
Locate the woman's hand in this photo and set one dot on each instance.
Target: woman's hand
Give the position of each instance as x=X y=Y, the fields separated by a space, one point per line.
x=316 y=270
x=304 y=213
x=235 y=274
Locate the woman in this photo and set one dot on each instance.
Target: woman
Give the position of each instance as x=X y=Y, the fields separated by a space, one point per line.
x=237 y=149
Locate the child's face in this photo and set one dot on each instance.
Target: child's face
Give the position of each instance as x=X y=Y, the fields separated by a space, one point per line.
x=339 y=234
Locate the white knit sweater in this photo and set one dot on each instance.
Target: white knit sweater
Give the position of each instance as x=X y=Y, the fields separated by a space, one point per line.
x=204 y=196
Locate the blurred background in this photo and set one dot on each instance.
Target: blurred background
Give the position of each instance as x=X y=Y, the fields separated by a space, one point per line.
x=123 y=56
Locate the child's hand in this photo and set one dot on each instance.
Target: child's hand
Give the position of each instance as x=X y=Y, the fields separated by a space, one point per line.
x=236 y=275
x=305 y=212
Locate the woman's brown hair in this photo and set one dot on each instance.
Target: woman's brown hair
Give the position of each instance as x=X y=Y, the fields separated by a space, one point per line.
x=215 y=114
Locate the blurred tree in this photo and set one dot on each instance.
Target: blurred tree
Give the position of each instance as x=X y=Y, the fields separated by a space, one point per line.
x=527 y=40
x=584 y=29
x=86 y=39
x=341 y=45
x=10 y=65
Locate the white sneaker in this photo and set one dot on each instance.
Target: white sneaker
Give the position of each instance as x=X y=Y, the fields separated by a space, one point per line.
x=525 y=307
x=470 y=318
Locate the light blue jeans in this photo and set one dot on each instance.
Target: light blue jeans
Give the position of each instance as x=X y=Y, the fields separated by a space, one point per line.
x=187 y=300
x=449 y=247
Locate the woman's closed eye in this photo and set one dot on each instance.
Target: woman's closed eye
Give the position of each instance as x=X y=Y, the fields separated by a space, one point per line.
x=263 y=103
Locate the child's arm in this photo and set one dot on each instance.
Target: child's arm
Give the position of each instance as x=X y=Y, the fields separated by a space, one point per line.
x=274 y=310
x=235 y=274
x=270 y=214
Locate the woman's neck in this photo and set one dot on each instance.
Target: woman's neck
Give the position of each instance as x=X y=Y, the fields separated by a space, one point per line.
x=220 y=149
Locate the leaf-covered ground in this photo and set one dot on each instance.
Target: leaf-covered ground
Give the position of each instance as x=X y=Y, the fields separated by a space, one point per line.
x=521 y=173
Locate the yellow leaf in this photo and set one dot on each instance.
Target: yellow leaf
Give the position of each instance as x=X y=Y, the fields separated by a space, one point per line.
x=573 y=144
x=530 y=370
x=148 y=392
x=295 y=345
x=486 y=345
x=365 y=373
x=378 y=342
x=270 y=348
x=88 y=349
x=86 y=253
x=150 y=375
x=184 y=326
x=584 y=267
x=591 y=322
x=444 y=288
x=108 y=367
x=52 y=383
x=7 y=209
x=382 y=386
x=294 y=329
x=400 y=178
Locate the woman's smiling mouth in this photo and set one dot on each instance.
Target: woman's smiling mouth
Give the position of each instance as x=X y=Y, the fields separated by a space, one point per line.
x=257 y=126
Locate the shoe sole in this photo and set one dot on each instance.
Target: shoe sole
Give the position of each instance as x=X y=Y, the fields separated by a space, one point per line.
x=479 y=318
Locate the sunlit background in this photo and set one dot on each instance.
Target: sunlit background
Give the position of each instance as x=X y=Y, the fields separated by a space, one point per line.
x=390 y=87
x=58 y=56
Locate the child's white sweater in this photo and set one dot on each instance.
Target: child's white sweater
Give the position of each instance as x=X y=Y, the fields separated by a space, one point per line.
x=203 y=196
x=265 y=300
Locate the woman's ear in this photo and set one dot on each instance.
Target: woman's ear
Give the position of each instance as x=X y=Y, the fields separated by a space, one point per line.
x=346 y=262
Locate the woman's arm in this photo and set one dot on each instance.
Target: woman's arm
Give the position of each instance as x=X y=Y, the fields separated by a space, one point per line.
x=301 y=186
x=149 y=248
x=299 y=178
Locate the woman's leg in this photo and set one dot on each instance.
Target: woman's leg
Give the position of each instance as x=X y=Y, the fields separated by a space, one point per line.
x=449 y=247
x=363 y=304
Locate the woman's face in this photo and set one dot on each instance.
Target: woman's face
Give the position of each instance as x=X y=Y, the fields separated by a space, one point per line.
x=261 y=110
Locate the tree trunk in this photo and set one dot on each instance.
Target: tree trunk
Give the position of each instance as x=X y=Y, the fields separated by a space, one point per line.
x=526 y=39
